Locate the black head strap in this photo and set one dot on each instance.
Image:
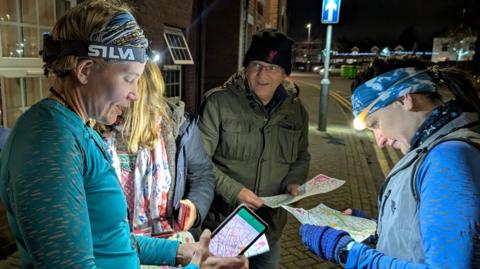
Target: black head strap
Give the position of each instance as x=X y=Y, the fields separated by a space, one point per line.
x=53 y=49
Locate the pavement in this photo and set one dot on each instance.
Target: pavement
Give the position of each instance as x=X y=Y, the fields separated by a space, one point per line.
x=340 y=152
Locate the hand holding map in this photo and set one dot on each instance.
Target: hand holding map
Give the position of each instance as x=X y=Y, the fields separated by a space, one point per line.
x=358 y=228
x=318 y=184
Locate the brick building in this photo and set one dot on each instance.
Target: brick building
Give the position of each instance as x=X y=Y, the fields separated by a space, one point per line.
x=200 y=43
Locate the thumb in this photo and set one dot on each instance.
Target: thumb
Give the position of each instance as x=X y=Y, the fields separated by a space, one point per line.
x=205 y=238
x=293 y=190
x=202 y=253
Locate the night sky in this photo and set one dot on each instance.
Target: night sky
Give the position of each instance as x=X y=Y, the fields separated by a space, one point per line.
x=365 y=23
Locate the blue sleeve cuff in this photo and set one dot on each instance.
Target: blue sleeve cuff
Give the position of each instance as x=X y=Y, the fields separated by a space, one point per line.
x=191 y=266
x=157 y=251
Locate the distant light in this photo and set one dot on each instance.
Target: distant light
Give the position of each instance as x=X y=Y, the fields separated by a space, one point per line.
x=309 y=25
x=156 y=56
x=385 y=52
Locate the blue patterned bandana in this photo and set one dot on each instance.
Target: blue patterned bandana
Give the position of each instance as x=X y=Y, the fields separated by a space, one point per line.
x=386 y=88
x=122 y=30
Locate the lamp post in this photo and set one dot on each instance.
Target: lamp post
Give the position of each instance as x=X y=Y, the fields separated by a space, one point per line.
x=309 y=28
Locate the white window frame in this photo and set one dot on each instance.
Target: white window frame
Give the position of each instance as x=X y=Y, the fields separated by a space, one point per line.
x=23 y=106
x=178 y=68
x=177 y=32
x=24 y=67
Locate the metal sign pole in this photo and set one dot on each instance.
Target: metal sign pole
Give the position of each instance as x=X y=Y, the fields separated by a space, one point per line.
x=330 y=15
x=325 y=83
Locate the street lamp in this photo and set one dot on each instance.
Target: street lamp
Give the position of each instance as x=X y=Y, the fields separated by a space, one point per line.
x=309 y=27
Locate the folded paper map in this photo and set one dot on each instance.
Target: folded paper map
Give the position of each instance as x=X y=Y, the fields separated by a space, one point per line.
x=358 y=228
x=316 y=185
x=259 y=247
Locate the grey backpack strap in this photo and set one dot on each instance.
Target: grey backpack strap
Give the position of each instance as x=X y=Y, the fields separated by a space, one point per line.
x=474 y=126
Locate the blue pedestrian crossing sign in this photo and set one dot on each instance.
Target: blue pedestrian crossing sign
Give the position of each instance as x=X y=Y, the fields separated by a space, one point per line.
x=330 y=11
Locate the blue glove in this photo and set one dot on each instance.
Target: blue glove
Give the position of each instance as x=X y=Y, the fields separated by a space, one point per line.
x=359 y=213
x=324 y=241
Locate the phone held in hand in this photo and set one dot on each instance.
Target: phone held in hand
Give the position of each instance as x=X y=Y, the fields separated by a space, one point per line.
x=237 y=233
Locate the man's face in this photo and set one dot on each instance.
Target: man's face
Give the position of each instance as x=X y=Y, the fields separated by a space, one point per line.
x=264 y=78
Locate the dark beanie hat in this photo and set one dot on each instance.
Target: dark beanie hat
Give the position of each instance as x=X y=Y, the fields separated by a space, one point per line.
x=270 y=46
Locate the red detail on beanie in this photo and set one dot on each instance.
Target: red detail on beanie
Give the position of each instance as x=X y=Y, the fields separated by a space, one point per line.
x=272 y=55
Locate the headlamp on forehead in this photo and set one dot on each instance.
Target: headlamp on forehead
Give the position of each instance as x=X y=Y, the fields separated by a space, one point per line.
x=53 y=49
x=360 y=121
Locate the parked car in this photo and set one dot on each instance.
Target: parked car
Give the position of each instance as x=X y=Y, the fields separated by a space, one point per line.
x=332 y=70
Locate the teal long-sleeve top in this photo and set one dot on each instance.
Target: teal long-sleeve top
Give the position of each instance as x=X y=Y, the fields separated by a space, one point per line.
x=64 y=203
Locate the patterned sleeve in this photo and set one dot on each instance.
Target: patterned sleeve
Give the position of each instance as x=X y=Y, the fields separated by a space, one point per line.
x=48 y=198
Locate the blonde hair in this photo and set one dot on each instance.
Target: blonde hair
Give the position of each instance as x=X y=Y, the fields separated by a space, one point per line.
x=145 y=118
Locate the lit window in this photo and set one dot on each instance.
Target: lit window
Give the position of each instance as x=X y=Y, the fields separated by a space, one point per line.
x=173 y=81
x=177 y=46
x=22 y=23
x=445 y=47
x=20 y=94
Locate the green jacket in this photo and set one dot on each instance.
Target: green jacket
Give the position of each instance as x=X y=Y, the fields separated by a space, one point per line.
x=251 y=148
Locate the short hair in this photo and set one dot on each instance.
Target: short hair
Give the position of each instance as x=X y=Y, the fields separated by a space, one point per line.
x=93 y=20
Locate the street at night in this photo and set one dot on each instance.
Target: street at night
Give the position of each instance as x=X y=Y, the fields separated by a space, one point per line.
x=261 y=134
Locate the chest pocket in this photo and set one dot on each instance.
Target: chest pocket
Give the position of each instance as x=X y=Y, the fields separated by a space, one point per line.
x=288 y=142
x=239 y=140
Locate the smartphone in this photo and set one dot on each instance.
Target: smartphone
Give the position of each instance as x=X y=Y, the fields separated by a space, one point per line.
x=237 y=233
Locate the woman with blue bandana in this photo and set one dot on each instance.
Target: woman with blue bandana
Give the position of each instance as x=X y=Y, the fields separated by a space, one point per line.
x=429 y=205
x=65 y=205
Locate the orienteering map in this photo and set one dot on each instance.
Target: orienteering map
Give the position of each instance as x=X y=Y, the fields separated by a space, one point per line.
x=259 y=247
x=318 y=184
x=358 y=228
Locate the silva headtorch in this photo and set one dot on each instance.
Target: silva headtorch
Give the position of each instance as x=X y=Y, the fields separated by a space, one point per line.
x=53 y=49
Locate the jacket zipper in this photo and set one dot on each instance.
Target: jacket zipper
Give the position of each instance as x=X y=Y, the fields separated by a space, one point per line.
x=384 y=202
x=266 y=119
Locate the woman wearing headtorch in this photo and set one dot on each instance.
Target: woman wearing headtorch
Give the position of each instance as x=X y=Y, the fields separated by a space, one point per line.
x=64 y=202
x=429 y=205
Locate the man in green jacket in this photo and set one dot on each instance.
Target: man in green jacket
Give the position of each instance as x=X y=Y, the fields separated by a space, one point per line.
x=256 y=130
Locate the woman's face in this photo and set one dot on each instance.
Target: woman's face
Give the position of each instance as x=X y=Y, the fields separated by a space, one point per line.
x=391 y=127
x=111 y=89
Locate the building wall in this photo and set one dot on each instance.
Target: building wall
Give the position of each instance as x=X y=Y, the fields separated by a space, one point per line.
x=222 y=24
x=153 y=16
x=446 y=49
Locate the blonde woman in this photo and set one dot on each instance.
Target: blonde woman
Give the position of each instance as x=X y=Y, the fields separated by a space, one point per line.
x=159 y=158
